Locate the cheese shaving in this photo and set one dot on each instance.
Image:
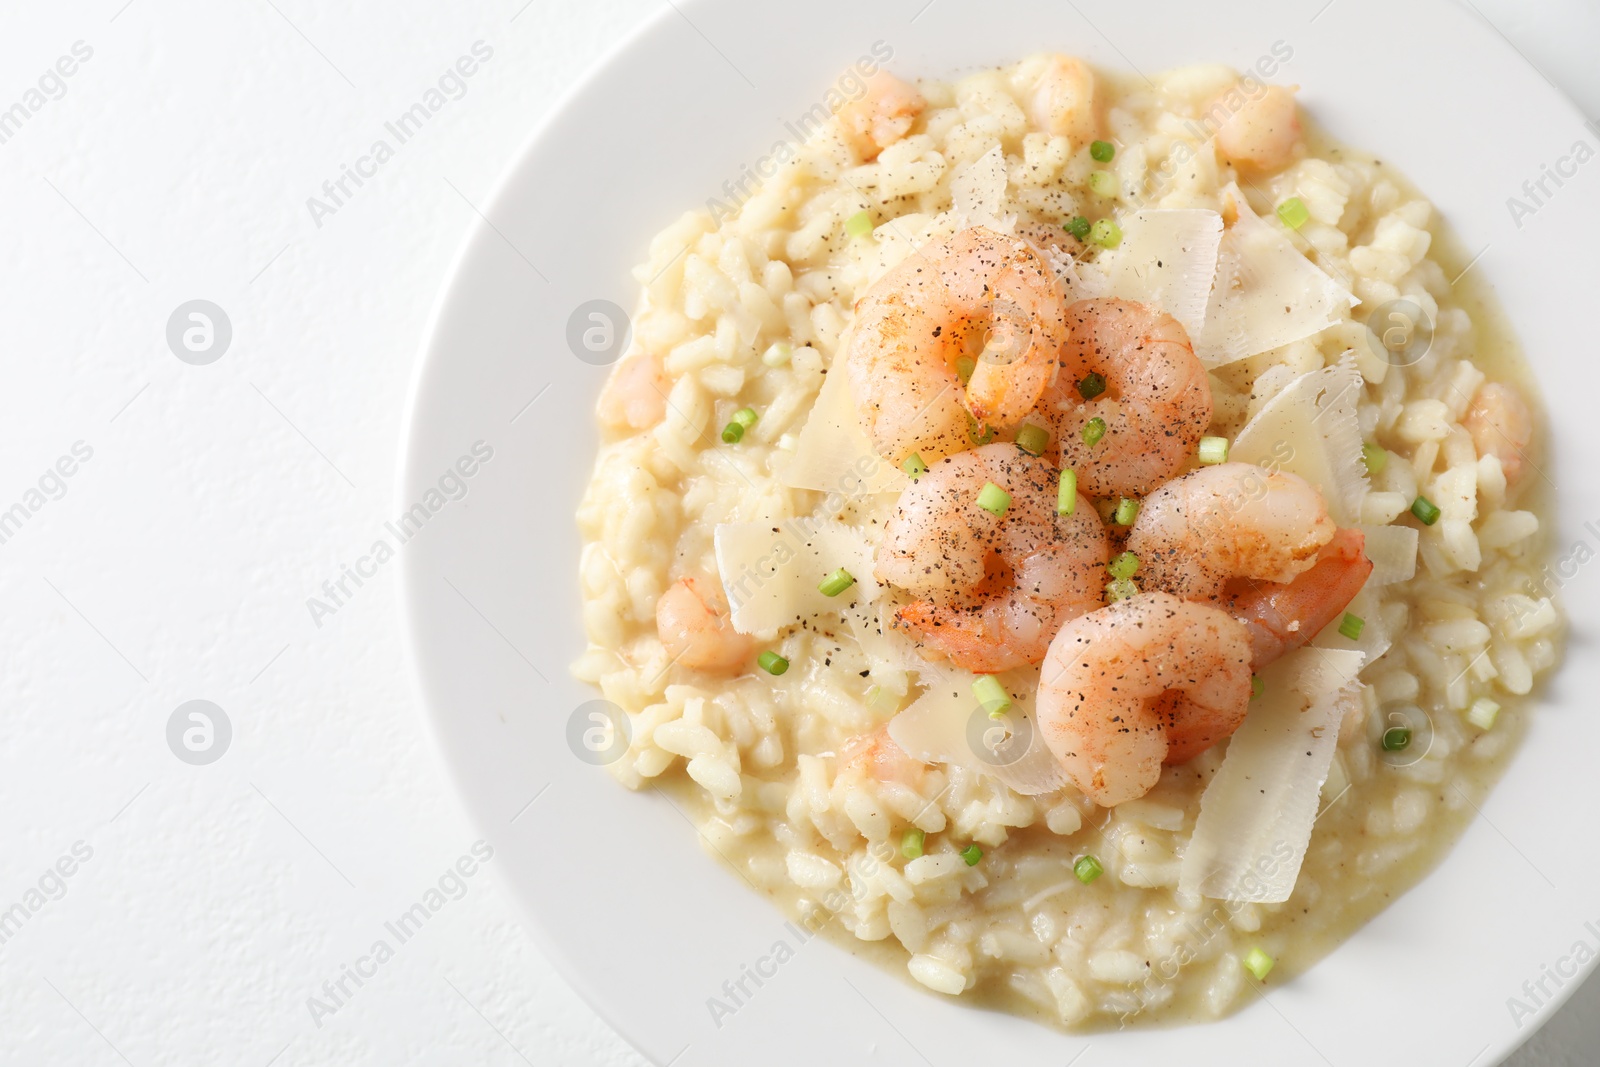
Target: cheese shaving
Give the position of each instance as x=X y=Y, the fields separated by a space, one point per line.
x=770 y=570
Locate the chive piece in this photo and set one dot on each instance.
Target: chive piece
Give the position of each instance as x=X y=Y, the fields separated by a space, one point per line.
x=1482 y=713
x=992 y=696
x=1124 y=566
x=994 y=500
x=914 y=466
x=1426 y=510
x=1033 y=439
x=777 y=354
x=732 y=433
x=1067 y=494
x=1104 y=183
x=836 y=583
x=859 y=224
x=911 y=844
x=1258 y=963
x=1351 y=626
x=1127 y=511
x=1373 y=455
x=1396 y=738
x=1257 y=686
x=972 y=854
x=772 y=663
x=979 y=434
x=1213 y=450
x=1293 y=212
x=1078 y=227
x=965 y=365
x=1087 y=868
x=1093 y=384
x=1102 y=151
x=1120 y=589
x=1106 y=234
x=745 y=417
x=1093 y=430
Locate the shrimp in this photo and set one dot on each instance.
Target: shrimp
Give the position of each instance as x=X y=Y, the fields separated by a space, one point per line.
x=1263 y=130
x=876 y=756
x=1233 y=520
x=1156 y=402
x=697 y=632
x=1146 y=681
x=1280 y=617
x=1501 y=426
x=993 y=589
x=880 y=116
x=1063 y=102
x=977 y=294
x=635 y=397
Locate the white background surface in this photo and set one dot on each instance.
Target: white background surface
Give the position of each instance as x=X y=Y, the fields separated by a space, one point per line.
x=178 y=562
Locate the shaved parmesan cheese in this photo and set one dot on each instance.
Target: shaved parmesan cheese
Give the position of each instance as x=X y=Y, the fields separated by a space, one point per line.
x=1167 y=257
x=1256 y=815
x=1267 y=293
x=1393 y=552
x=770 y=570
x=979 y=192
x=946 y=724
x=832 y=454
x=1310 y=429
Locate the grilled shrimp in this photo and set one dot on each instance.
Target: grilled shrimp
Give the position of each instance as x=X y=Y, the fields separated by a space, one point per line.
x=993 y=589
x=1063 y=101
x=696 y=631
x=1501 y=426
x=1146 y=681
x=1155 y=398
x=880 y=116
x=1282 y=616
x=1263 y=131
x=635 y=396
x=978 y=296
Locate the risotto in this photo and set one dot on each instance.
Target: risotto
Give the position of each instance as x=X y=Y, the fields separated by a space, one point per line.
x=1074 y=540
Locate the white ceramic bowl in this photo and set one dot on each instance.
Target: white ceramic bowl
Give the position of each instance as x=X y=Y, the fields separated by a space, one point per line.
x=616 y=888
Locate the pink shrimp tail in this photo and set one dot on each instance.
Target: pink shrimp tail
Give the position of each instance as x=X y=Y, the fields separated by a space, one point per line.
x=1283 y=616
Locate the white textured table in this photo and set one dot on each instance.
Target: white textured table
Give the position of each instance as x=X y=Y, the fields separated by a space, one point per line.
x=177 y=515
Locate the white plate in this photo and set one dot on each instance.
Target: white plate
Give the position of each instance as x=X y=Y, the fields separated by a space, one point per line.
x=616 y=888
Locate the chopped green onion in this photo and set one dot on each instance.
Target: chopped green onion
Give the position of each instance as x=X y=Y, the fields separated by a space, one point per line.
x=1293 y=212
x=1102 y=151
x=1213 y=450
x=972 y=854
x=991 y=695
x=1482 y=713
x=1257 y=686
x=1124 y=566
x=1087 y=868
x=1104 y=183
x=1093 y=384
x=914 y=466
x=859 y=224
x=994 y=500
x=987 y=434
x=732 y=433
x=1093 y=430
x=1396 y=738
x=1426 y=510
x=745 y=417
x=1078 y=227
x=1067 y=494
x=1258 y=963
x=911 y=844
x=1374 y=457
x=836 y=583
x=1032 y=439
x=1351 y=626
x=1120 y=589
x=772 y=663
x=1127 y=511
x=777 y=354
x=965 y=365
x=1106 y=234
